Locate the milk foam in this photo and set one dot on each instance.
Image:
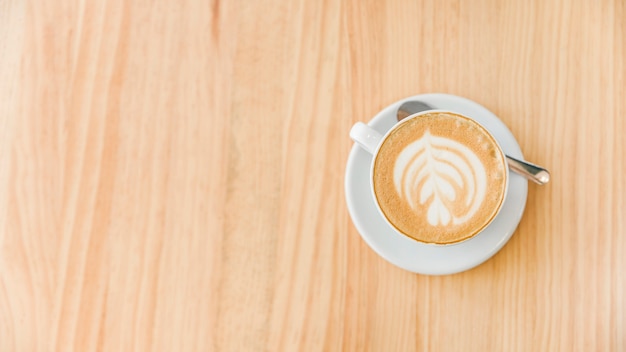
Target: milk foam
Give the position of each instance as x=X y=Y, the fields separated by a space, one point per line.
x=443 y=175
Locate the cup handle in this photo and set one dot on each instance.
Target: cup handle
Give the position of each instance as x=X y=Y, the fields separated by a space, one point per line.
x=366 y=137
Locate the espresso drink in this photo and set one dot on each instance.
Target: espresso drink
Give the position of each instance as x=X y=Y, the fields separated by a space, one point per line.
x=439 y=178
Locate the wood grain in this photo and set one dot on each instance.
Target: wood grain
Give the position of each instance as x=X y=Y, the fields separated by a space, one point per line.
x=171 y=174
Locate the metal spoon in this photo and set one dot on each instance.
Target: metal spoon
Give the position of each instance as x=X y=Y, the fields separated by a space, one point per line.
x=531 y=171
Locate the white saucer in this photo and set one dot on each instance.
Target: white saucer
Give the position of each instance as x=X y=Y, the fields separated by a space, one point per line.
x=424 y=258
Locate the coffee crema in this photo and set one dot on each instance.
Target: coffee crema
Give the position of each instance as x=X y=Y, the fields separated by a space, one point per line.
x=439 y=178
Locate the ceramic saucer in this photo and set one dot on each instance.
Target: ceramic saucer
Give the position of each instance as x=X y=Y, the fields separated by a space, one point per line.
x=424 y=258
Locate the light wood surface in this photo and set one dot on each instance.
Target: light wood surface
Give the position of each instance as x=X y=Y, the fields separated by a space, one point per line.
x=171 y=174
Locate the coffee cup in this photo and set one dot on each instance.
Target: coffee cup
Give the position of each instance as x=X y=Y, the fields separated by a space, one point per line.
x=437 y=176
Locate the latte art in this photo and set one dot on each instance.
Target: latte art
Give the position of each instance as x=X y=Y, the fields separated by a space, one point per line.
x=439 y=177
x=439 y=172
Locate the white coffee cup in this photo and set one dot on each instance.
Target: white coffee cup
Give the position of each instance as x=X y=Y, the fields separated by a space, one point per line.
x=371 y=141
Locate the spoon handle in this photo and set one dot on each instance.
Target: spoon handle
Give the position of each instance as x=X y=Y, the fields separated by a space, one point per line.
x=531 y=171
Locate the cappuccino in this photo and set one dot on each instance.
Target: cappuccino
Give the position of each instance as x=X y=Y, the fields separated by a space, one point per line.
x=439 y=178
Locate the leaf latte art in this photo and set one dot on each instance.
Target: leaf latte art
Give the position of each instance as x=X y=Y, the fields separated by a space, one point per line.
x=444 y=176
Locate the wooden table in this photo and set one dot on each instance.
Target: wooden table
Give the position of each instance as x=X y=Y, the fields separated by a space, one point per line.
x=171 y=174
